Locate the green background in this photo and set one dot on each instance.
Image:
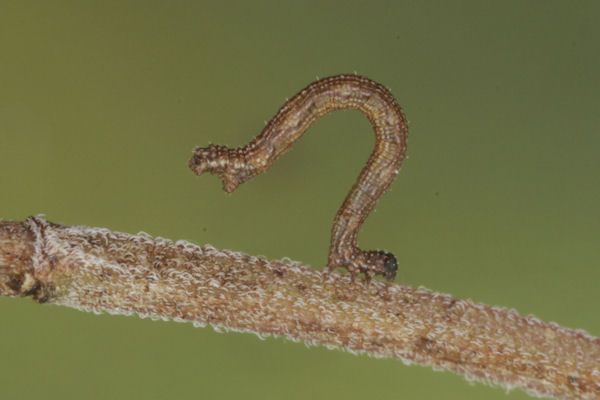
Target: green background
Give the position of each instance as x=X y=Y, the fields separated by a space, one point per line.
x=101 y=104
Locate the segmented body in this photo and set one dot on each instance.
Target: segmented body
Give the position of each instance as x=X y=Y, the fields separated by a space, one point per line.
x=236 y=165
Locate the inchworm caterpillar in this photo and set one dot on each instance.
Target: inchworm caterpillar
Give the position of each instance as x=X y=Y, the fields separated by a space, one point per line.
x=236 y=165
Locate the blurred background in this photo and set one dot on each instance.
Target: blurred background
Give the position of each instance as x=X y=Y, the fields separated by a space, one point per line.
x=101 y=104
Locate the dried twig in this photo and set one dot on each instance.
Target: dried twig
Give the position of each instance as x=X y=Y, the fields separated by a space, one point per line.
x=98 y=270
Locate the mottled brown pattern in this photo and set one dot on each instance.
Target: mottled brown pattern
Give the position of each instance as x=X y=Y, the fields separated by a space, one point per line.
x=236 y=166
x=96 y=269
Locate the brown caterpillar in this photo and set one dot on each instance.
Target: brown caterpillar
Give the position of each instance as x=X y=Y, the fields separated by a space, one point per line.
x=236 y=165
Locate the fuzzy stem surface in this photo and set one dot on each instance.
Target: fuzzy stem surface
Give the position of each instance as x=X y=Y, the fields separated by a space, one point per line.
x=95 y=269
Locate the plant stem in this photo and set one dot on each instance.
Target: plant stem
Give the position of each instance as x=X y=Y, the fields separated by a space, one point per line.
x=94 y=269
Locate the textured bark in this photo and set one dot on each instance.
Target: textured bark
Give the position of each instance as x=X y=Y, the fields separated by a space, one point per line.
x=95 y=269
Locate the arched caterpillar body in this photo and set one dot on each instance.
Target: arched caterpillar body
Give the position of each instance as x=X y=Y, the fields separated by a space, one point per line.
x=235 y=166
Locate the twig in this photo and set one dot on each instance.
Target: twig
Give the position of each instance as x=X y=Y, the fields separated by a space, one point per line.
x=95 y=269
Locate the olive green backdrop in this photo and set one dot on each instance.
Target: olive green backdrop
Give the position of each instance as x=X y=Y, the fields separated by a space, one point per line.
x=101 y=104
